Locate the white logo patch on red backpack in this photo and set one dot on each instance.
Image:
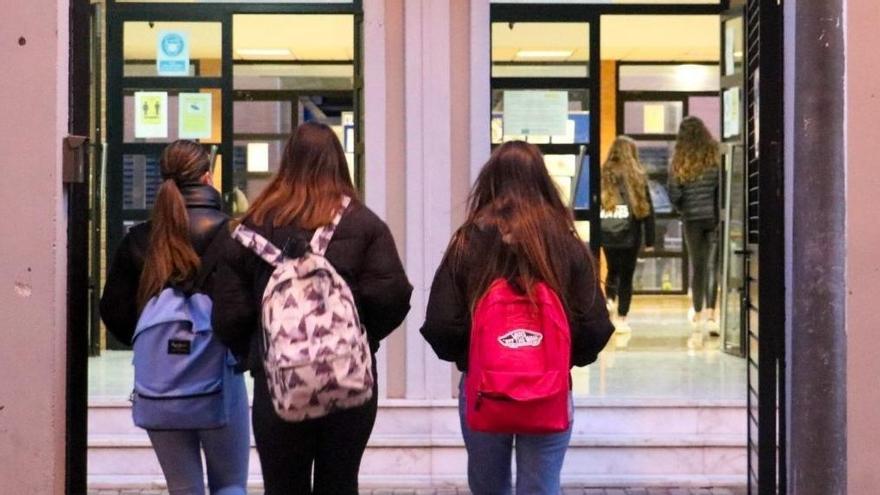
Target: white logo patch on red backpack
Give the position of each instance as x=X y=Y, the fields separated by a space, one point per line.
x=520 y=337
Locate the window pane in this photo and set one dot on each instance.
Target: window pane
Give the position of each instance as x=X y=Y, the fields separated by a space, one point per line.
x=652 y=117
x=233 y=1
x=733 y=46
x=293 y=51
x=165 y=116
x=587 y=2
x=189 y=48
x=656 y=274
x=708 y=109
x=264 y=117
x=679 y=77
x=577 y=126
x=140 y=181
x=540 y=49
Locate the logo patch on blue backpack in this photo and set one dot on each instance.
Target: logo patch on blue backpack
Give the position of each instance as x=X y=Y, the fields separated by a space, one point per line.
x=179 y=367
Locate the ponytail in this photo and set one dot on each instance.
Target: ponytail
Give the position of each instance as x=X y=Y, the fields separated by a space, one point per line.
x=170 y=256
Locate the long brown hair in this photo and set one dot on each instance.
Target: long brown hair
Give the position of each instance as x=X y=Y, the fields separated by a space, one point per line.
x=515 y=196
x=622 y=168
x=310 y=183
x=695 y=151
x=170 y=256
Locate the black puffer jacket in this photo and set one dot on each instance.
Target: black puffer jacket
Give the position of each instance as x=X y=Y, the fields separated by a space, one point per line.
x=362 y=251
x=696 y=200
x=119 y=300
x=447 y=324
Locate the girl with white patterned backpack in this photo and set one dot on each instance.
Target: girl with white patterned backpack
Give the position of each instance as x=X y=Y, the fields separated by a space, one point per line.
x=310 y=285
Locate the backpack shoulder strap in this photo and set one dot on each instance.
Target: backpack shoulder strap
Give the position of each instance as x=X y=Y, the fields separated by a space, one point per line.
x=212 y=255
x=322 y=237
x=258 y=244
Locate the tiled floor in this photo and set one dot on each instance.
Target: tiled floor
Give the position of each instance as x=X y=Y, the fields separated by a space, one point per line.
x=652 y=362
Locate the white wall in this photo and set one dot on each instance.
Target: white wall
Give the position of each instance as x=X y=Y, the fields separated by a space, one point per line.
x=33 y=119
x=863 y=239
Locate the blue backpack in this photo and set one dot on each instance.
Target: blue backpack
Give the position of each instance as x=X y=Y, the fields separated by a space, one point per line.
x=179 y=367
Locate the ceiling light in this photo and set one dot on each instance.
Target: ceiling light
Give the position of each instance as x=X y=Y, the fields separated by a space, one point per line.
x=544 y=53
x=264 y=52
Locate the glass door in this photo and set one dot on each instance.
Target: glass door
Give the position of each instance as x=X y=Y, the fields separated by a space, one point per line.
x=734 y=249
x=165 y=81
x=652 y=98
x=543 y=92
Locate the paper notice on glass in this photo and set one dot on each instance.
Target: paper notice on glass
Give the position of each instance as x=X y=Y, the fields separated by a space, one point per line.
x=258 y=157
x=172 y=53
x=529 y=113
x=655 y=118
x=561 y=165
x=563 y=183
x=731 y=112
x=583 y=229
x=151 y=114
x=194 y=115
x=729 y=44
x=568 y=137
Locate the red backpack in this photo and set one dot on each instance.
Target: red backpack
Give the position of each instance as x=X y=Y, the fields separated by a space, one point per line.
x=519 y=361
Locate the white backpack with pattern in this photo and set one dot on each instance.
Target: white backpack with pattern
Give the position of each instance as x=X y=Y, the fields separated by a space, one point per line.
x=316 y=355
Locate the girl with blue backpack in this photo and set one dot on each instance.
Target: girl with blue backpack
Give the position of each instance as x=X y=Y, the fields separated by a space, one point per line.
x=516 y=303
x=158 y=297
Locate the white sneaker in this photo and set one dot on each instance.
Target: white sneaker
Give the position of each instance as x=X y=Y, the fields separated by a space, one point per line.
x=695 y=341
x=694 y=318
x=714 y=328
x=621 y=325
x=611 y=304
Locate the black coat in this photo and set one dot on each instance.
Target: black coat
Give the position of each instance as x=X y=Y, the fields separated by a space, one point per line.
x=362 y=251
x=119 y=301
x=698 y=199
x=448 y=320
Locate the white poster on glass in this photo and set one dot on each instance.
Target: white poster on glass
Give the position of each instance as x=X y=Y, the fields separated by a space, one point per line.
x=535 y=113
x=731 y=113
x=194 y=115
x=151 y=114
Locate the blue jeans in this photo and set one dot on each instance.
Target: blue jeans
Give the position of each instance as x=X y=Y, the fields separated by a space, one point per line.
x=538 y=459
x=226 y=451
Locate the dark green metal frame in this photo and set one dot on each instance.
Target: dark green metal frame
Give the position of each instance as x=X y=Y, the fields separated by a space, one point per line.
x=121 y=12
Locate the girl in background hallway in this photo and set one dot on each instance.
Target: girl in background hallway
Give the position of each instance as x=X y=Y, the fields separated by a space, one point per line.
x=519 y=229
x=693 y=190
x=320 y=455
x=626 y=211
x=168 y=251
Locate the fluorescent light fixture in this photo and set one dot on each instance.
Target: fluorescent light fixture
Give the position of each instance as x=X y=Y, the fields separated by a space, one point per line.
x=264 y=52
x=258 y=157
x=692 y=75
x=544 y=53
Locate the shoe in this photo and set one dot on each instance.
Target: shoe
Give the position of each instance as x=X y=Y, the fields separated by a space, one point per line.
x=714 y=328
x=622 y=326
x=611 y=304
x=695 y=341
x=694 y=318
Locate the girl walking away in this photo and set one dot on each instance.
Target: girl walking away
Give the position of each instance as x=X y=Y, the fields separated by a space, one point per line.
x=626 y=212
x=515 y=303
x=693 y=190
x=158 y=296
x=310 y=270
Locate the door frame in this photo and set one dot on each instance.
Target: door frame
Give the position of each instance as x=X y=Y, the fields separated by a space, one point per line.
x=118 y=13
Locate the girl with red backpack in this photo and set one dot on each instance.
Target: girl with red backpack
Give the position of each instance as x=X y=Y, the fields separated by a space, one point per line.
x=514 y=304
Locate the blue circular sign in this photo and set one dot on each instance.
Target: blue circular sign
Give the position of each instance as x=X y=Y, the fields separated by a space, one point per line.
x=172 y=44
